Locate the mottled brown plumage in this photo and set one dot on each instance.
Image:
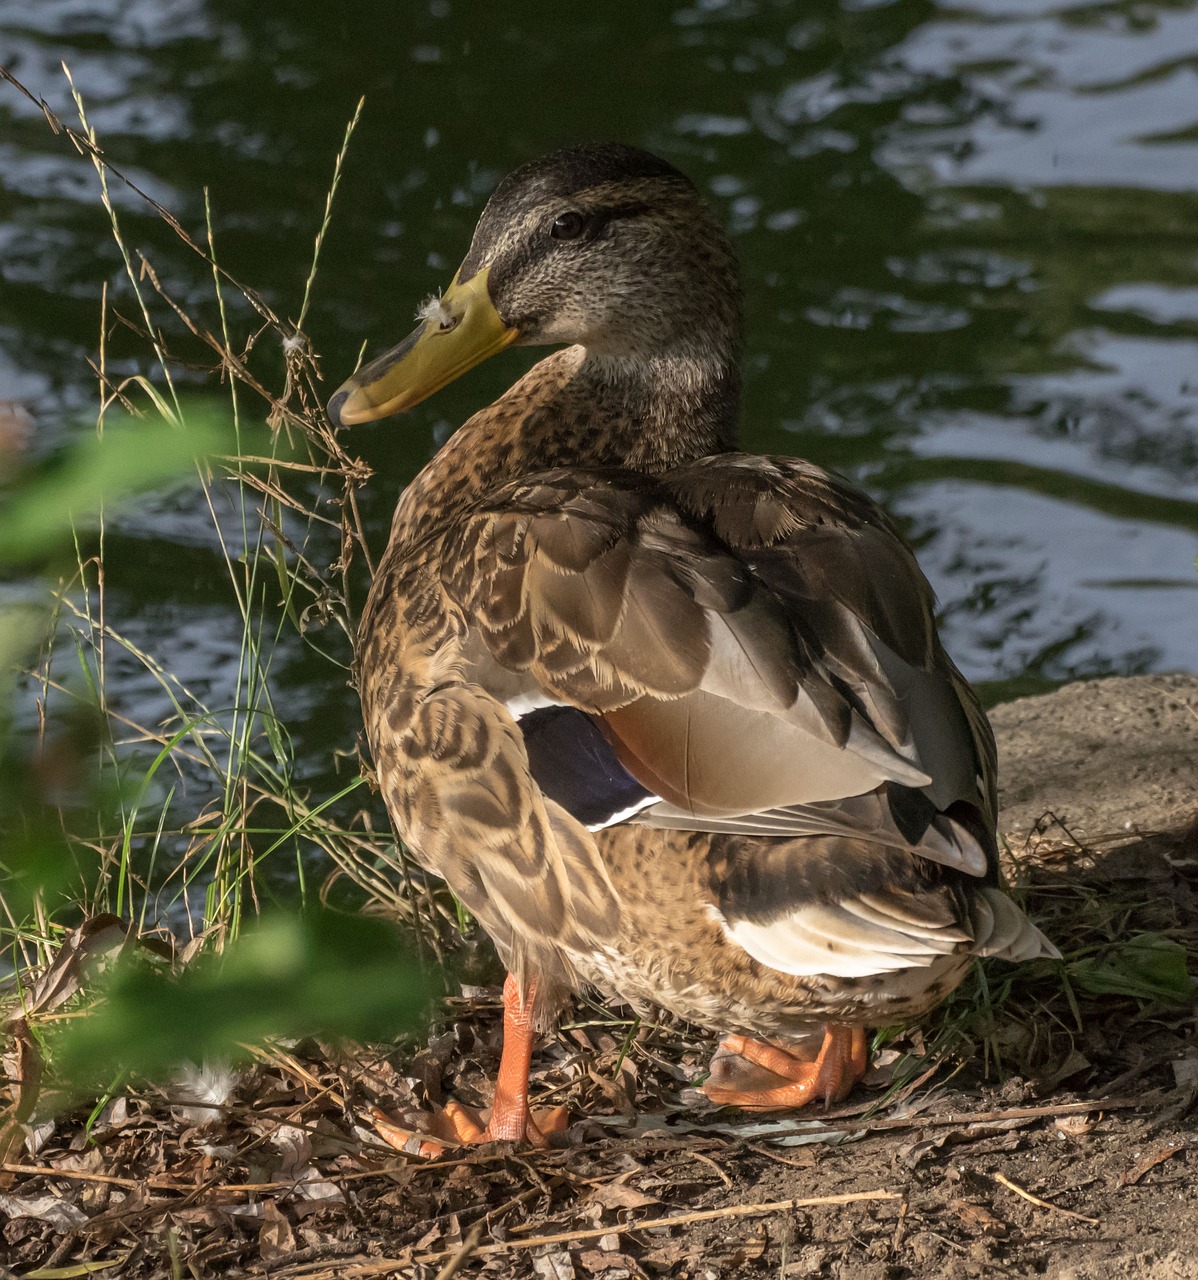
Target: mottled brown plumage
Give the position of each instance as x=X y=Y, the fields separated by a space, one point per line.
x=670 y=719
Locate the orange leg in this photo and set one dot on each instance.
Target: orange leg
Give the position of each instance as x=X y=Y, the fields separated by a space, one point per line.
x=840 y=1063
x=510 y=1119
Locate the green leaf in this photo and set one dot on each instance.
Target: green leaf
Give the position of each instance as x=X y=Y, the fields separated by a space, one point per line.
x=132 y=456
x=315 y=973
x=1147 y=966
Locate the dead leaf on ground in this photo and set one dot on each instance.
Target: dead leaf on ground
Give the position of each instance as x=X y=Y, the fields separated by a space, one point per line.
x=1185 y=1070
x=673 y=1252
x=750 y=1250
x=91 y=943
x=597 y=1261
x=59 y=1213
x=554 y=1266
x=1131 y=1176
x=276 y=1240
x=978 y=1219
x=619 y=1195
x=1074 y=1062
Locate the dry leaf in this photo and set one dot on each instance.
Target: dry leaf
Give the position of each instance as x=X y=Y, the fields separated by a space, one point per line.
x=619 y=1195
x=749 y=1251
x=59 y=1213
x=599 y=1262
x=913 y=1153
x=88 y=945
x=1074 y=1062
x=555 y=1266
x=978 y=1219
x=38 y=1133
x=1131 y=1176
x=430 y=1238
x=275 y=1237
x=314 y=1193
x=295 y=1147
x=1185 y=1070
x=1076 y=1126
x=673 y=1252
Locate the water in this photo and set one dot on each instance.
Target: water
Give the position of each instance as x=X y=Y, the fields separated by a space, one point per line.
x=969 y=236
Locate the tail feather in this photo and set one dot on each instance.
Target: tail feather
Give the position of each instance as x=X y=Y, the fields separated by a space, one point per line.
x=1001 y=930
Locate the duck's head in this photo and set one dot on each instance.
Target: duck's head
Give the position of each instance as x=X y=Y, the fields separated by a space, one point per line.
x=605 y=245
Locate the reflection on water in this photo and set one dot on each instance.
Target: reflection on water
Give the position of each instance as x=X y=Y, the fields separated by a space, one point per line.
x=969 y=238
x=1086 y=96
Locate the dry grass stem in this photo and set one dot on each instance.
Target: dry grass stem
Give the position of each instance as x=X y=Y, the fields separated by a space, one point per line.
x=1003 y=1180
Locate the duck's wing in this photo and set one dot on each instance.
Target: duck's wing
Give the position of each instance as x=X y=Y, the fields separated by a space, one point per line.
x=743 y=645
x=852 y=588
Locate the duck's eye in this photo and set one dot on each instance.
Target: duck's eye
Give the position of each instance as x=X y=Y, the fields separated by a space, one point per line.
x=568 y=226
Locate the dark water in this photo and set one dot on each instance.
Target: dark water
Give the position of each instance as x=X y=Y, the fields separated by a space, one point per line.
x=969 y=236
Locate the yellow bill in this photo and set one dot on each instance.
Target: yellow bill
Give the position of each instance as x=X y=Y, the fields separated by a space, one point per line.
x=460 y=330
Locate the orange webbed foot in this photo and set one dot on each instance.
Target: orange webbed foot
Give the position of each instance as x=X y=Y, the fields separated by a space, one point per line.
x=431 y=1133
x=510 y=1118
x=796 y=1081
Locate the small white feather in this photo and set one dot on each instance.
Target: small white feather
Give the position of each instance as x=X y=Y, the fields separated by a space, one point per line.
x=205 y=1091
x=625 y=814
x=434 y=308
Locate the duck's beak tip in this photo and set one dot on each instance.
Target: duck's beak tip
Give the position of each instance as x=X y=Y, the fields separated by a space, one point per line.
x=336 y=404
x=463 y=332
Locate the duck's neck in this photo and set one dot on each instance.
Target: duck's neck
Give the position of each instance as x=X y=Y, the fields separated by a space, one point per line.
x=655 y=413
x=579 y=408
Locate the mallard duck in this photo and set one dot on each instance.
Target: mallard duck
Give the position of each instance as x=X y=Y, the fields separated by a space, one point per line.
x=672 y=720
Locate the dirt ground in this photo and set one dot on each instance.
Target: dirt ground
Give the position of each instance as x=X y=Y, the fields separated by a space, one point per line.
x=1039 y=1125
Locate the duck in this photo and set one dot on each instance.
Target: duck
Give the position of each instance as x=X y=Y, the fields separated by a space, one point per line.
x=673 y=721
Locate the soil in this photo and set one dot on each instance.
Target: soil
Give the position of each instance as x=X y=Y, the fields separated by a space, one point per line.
x=1102 y=756
x=1036 y=1126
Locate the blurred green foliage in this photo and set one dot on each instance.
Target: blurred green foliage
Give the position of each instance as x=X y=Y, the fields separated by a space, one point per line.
x=288 y=975
x=45 y=507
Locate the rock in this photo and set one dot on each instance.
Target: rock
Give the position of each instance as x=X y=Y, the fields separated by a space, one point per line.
x=1103 y=756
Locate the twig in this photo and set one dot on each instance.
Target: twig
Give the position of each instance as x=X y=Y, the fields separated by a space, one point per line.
x=809 y=1163
x=78 y=1175
x=455 y=1264
x=382 y=1265
x=900 y=1227
x=723 y=1177
x=1043 y=1204
x=987 y=1117
x=233 y=1189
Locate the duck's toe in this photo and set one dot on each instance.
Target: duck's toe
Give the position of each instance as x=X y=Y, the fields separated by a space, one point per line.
x=431 y=1133
x=758 y=1076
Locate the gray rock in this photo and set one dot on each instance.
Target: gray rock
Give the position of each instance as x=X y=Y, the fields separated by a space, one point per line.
x=1104 y=757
